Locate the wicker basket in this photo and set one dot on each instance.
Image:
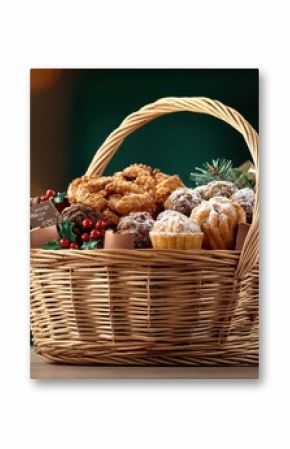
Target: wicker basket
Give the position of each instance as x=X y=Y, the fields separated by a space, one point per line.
x=150 y=307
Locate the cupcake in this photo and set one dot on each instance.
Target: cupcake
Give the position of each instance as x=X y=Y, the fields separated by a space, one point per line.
x=176 y=232
x=200 y=191
x=169 y=214
x=245 y=198
x=139 y=224
x=183 y=200
x=219 y=188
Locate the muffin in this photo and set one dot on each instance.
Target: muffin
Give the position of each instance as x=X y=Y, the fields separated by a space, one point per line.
x=219 y=218
x=76 y=213
x=169 y=214
x=176 y=232
x=140 y=224
x=245 y=198
x=200 y=190
x=183 y=200
x=219 y=188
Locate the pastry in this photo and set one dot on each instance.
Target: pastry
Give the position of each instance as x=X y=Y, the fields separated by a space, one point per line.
x=77 y=213
x=219 y=188
x=138 y=188
x=200 y=190
x=140 y=224
x=183 y=200
x=176 y=232
x=123 y=205
x=245 y=198
x=170 y=213
x=218 y=219
x=165 y=184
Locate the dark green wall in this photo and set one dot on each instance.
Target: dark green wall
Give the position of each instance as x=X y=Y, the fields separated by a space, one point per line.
x=73 y=114
x=175 y=143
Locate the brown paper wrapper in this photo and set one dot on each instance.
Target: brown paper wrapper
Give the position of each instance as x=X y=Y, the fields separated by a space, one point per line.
x=242 y=232
x=119 y=240
x=39 y=236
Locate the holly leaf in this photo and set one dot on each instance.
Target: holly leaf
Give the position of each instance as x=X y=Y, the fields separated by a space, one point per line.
x=90 y=244
x=51 y=245
x=59 y=198
x=66 y=230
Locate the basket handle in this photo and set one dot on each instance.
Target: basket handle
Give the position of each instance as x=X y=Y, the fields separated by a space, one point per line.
x=249 y=254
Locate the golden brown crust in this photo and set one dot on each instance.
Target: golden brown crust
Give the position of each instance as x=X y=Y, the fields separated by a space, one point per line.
x=218 y=219
x=110 y=217
x=138 y=188
x=121 y=187
x=134 y=202
x=165 y=186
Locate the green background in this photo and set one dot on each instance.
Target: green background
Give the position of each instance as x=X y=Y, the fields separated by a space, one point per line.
x=95 y=101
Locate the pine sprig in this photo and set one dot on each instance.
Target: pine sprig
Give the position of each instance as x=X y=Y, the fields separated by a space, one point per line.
x=220 y=170
x=241 y=179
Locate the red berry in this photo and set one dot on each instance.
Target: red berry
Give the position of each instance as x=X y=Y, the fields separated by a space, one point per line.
x=87 y=223
x=43 y=198
x=64 y=243
x=101 y=224
x=85 y=237
x=95 y=234
x=50 y=193
x=74 y=245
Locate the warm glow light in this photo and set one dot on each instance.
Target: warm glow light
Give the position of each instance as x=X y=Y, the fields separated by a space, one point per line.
x=44 y=78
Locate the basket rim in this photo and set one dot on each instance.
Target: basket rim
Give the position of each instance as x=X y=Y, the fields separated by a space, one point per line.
x=90 y=252
x=137 y=258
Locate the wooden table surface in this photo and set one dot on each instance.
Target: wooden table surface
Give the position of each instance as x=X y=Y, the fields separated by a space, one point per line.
x=40 y=369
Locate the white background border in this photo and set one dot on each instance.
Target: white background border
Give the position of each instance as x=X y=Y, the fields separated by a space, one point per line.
x=145 y=414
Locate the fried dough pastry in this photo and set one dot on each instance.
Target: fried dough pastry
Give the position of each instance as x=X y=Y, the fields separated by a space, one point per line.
x=138 y=188
x=123 y=205
x=165 y=185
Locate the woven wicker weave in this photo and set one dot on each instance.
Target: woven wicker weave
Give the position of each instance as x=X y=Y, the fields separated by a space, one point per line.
x=150 y=307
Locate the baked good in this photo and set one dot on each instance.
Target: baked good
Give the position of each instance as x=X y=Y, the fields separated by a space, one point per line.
x=140 y=224
x=77 y=213
x=165 y=184
x=218 y=219
x=245 y=198
x=170 y=213
x=219 y=188
x=138 y=188
x=183 y=200
x=122 y=205
x=176 y=232
x=200 y=190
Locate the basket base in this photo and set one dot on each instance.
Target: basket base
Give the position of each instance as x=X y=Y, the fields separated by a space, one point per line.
x=39 y=369
x=241 y=354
